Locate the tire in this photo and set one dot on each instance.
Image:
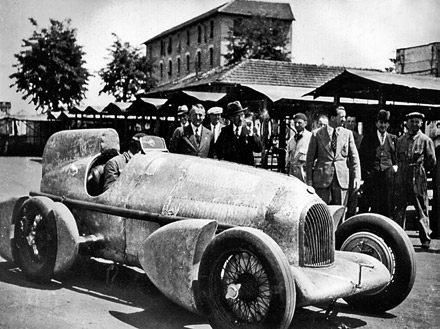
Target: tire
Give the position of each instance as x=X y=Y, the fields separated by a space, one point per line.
x=266 y=297
x=34 y=246
x=386 y=241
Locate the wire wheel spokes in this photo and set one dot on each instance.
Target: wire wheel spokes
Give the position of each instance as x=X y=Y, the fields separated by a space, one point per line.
x=244 y=273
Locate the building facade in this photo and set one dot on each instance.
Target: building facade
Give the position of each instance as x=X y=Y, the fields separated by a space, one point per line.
x=419 y=60
x=199 y=45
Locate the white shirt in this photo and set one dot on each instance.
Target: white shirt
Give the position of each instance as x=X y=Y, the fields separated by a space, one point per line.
x=381 y=137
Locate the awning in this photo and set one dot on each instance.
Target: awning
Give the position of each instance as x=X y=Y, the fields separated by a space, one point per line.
x=204 y=96
x=276 y=93
x=116 y=108
x=382 y=86
x=158 y=102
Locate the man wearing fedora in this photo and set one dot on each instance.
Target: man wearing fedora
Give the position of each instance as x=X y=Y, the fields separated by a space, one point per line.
x=237 y=141
x=193 y=139
x=415 y=157
x=378 y=162
x=181 y=121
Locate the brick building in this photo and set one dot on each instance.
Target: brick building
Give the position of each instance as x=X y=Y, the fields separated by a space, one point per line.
x=419 y=60
x=199 y=45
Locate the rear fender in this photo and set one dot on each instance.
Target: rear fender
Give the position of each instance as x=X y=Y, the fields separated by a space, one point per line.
x=171 y=256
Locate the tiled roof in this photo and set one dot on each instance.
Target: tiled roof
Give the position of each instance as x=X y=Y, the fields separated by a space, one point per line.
x=261 y=72
x=239 y=7
x=277 y=10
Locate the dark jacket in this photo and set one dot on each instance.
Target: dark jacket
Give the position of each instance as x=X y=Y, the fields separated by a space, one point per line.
x=368 y=151
x=184 y=142
x=240 y=150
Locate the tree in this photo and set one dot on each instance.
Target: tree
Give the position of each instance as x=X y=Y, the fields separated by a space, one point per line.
x=50 y=70
x=127 y=73
x=258 y=38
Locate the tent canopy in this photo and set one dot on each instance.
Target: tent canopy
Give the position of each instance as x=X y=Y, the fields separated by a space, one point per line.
x=381 y=86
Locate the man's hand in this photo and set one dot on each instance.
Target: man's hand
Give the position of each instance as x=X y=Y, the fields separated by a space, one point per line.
x=356 y=184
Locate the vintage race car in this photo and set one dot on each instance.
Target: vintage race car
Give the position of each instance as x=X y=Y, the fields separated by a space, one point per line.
x=239 y=245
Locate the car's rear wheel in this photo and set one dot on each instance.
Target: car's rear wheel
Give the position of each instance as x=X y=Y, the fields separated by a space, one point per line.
x=383 y=239
x=34 y=246
x=245 y=281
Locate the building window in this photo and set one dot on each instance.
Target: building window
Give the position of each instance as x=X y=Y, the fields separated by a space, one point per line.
x=162 y=48
x=161 y=70
x=187 y=63
x=179 y=46
x=169 y=45
x=178 y=66
x=199 y=34
x=199 y=60
x=211 y=29
x=150 y=51
x=211 y=56
x=187 y=37
x=170 y=68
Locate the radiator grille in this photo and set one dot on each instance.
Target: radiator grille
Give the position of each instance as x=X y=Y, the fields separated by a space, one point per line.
x=319 y=246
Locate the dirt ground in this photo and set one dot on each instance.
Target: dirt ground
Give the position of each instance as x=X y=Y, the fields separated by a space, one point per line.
x=86 y=297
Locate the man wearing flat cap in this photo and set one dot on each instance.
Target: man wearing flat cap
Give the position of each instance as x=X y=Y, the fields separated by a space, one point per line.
x=181 y=121
x=378 y=163
x=297 y=147
x=215 y=125
x=193 y=139
x=415 y=157
x=237 y=141
x=115 y=166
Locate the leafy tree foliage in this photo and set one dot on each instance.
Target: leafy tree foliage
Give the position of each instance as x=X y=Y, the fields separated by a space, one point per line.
x=127 y=73
x=50 y=68
x=257 y=38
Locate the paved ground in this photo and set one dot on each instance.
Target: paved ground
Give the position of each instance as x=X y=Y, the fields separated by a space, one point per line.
x=86 y=298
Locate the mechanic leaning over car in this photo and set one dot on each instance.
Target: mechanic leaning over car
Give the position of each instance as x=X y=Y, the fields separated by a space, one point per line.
x=115 y=165
x=193 y=139
x=415 y=156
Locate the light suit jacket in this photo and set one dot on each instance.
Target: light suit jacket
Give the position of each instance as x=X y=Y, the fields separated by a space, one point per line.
x=322 y=163
x=184 y=142
x=296 y=155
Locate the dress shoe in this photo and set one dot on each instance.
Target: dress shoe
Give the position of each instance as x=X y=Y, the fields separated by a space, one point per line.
x=425 y=245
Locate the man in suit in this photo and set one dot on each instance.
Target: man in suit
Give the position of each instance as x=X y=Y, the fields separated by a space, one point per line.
x=378 y=162
x=215 y=125
x=181 y=121
x=331 y=151
x=193 y=139
x=237 y=141
x=297 y=147
x=415 y=157
x=352 y=203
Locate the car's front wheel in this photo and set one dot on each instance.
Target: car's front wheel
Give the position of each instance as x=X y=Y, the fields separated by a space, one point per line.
x=34 y=247
x=245 y=281
x=383 y=239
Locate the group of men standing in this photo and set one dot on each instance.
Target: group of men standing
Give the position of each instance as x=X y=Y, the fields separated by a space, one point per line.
x=333 y=161
x=235 y=142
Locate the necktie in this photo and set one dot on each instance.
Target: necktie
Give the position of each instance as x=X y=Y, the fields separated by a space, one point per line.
x=197 y=137
x=382 y=138
x=298 y=137
x=236 y=132
x=334 y=141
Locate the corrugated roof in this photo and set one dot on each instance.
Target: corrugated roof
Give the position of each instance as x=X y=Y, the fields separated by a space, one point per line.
x=276 y=10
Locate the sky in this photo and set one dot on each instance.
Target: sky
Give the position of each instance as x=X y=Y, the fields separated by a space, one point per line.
x=350 y=33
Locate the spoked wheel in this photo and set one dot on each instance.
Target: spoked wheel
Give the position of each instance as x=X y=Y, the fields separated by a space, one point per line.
x=383 y=239
x=34 y=247
x=245 y=281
